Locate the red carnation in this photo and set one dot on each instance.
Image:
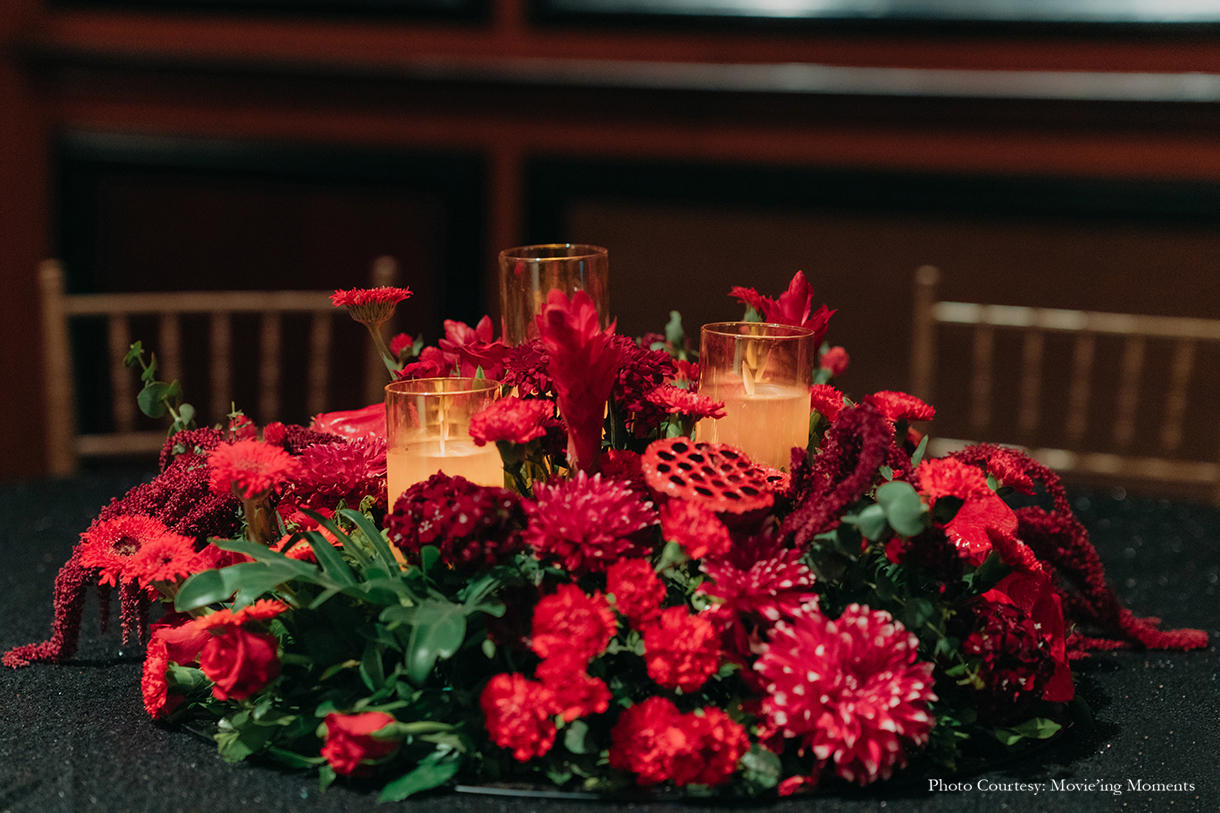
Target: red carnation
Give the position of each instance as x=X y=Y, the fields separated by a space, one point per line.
x=699 y=531
x=636 y=590
x=511 y=419
x=900 y=406
x=153 y=683
x=835 y=360
x=350 y=744
x=517 y=713
x=849 y=690
x=572 y=625
x=827 y=400
x=576 y=693
x=588 y=522
x=249 y=468
x=370 y=306
x=656 y=742
x=240 y=663
x=678 y=401
x=681 y=650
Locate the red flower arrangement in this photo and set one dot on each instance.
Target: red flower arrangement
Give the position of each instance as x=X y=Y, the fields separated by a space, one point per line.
x=685 y=618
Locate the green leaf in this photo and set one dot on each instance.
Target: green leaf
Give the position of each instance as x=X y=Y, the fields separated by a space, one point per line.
x=674 y=334
x=903 y=508
x=920 y=450
x=151 y=399
x=133 y=355
x=186 y=417
x=202 y=589
x=371 y=670
x=576 y=738
x=761 y=768
x=432 y=771
x=428 y=556
x=373 y=535
x=871 y=522
x=438 y=629
x=326 y=777
x=1038 y=728
x=989 y=573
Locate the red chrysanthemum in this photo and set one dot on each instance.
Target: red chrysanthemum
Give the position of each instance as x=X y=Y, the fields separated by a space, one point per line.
x=110 y=545
x=473 y=526
x=636 y=590
x=571 y=625
x=771 y=589
x=249 y=468
x=850 y=690
x=370 y=306
x=584 y=363
x=827 y=400
x=165 y=558
x=576 y=693
x=659 y=744
x=624 y=465
x=587 y=523
x=901 y=406
x=677 y=401
x=835 y=360
x=681 y=650
x=511 y=419
x=517 y=713
x=525 y=369
x=699 y=531
x=328 y=473
x=685 y=374
x=641 y=371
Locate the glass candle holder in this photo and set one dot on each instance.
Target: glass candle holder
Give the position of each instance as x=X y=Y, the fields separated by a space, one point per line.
x=529 y=273
x=762 y=373
x=428 y=430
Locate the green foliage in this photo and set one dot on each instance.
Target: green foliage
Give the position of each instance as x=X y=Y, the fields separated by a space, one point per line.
x=158 y=398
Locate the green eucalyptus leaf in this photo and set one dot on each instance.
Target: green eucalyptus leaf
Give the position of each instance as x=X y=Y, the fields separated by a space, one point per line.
x=151 y=399
x=674 y=333
x=989 y=573
x=432 y=771
x=903 y=508
x=920 y=451
x=871 y=522
x=576 y=738
x=133 y=355
x=1038 y=728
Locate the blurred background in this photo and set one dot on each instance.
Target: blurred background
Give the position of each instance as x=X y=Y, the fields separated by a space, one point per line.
x=1056 y=154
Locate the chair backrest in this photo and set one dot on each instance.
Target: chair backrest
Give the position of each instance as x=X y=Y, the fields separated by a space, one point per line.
x=1171 y=461
x=65 y=447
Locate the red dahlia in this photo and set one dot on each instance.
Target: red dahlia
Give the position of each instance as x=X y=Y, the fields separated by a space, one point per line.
x=587 y=523
x=850 y=690
x=771 y=589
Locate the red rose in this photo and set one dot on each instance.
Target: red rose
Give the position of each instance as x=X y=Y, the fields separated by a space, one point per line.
x=350 y=741
x=240 y=662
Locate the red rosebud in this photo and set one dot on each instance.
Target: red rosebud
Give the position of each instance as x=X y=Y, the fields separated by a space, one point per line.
x=836 y=360
x=240 y=663
x=350 y=742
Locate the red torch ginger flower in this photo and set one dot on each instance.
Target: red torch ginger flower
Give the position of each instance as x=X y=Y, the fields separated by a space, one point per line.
x=350 y=745
x=370 y=306
x=699 y=531
x=249 y=468
x=677 y=401
x=637 y=591
x=511 y=419
x=587 y=522
x=794 y=306
x=572 y=625
x=583 y=365
x=681 y=650
x=850 y=690
x=518 y=713
x=110 y=545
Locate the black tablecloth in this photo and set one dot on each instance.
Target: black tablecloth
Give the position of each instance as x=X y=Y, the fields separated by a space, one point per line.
x=75 y=737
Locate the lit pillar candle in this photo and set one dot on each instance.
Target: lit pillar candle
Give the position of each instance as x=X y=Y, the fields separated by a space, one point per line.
x=428 y=430
x=529 y=273
x=762 y=373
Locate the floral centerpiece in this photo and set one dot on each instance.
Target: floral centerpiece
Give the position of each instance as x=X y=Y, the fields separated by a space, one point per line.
x=635 y=609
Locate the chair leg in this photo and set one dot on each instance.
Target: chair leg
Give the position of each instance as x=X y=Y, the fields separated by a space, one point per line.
x=62 y=459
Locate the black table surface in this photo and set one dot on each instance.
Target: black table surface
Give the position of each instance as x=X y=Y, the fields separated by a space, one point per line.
x=75 y=737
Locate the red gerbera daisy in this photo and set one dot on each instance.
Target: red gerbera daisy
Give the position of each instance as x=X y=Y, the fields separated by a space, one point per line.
x=111 y=544
x=588 y=522
x=370 y=306
x=512 y=419
x=850 y=690
x=249 y=468
x=681 y=650
x=165 y=558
